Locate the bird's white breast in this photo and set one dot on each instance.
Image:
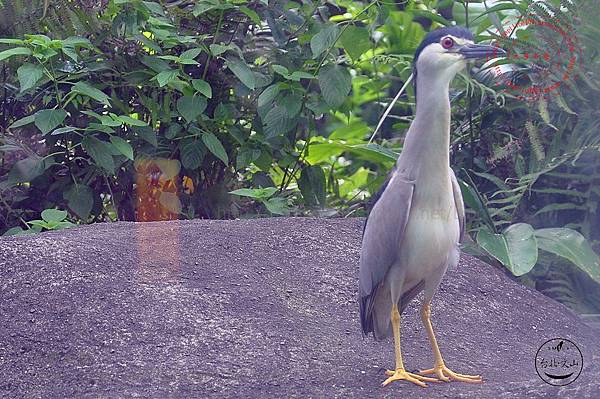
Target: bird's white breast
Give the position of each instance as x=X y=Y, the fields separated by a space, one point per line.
x=432 y=230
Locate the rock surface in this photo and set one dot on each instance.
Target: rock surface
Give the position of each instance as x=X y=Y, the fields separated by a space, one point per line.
x=252 y=309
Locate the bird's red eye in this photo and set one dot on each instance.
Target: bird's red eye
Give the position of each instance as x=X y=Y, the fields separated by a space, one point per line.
x=447 y=42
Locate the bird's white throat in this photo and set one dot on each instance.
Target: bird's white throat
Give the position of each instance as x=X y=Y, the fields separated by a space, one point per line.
x=426 y=146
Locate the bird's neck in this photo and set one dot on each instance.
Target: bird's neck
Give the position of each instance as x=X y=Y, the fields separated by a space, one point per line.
x=426 y=147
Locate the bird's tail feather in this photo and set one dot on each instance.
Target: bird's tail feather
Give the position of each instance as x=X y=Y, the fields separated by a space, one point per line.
x=375 y=310
x=366 y=313
x=374 y=313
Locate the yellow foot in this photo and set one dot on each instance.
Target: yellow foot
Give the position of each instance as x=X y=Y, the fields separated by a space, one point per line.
x=396 y=375
x=445 y=374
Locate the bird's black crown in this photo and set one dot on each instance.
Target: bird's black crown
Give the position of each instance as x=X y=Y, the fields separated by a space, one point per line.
x=436 y=35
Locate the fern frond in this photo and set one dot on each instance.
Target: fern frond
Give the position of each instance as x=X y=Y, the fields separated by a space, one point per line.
x=535 y=140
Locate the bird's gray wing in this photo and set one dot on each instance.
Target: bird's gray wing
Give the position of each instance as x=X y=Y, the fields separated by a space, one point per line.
x=382 y=235
x=373 y=200
x=460 y=205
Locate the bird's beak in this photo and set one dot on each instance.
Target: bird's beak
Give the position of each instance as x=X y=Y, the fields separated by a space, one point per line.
x=481 y=51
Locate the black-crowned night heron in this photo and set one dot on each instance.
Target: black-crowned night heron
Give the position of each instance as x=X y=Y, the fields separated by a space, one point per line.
x=413 y=232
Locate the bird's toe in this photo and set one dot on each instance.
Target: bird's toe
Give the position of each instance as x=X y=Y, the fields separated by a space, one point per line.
x=397 y=375
x=445 y=374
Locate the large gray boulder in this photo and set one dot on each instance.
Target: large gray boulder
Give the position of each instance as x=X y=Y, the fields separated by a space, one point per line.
x=253 y=308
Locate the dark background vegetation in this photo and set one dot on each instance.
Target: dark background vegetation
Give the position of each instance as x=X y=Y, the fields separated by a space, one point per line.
x=140 y=110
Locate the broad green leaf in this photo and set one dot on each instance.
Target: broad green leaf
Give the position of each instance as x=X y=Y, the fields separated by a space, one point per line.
x=154 y=7
x=190 y=107
x=245 y=157
x=173 y=130
x=64 y=225
x=277 y=121
x=317 y=104
x=71 y=53
x=268 y=95
x=23 y=121
x=14 y=231
x=215 y=147
x=108 y=121
x=373 y=152
x=202 y=87
x=63 y=130
x=571 y=245
x=355 y=130
x=251 y=14
x=80 y=199
x=516 y=248
x=264 y=161
x=324 y=152
x=291 y=102
x=48 y=119
x=335 y=83
x=53 y=215
x=312 y=185
x=160 y=22
x=128 y=120
x=29 y=74
x=431 y=16
x=164 y=77
x=355 y=41
x=14 y=51
x=147 y=134
x=297 y=75
x=100 y=151
x=156 y=64
x=257 y=193
x=12 y=41
x=353 y=184
x=242 y=71
x=280 y=69
x=169 y=57
x=122 y=146
x=41 y=224
x=90 y=91
x=191 y=153
x=218 y=49
x=205 y=5
x=277 y=206
x=324 y=39
x=190 y=54
x=25 y=170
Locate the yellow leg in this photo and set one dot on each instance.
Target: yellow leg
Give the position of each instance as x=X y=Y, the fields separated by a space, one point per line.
x=439 y=368
x=400 y=373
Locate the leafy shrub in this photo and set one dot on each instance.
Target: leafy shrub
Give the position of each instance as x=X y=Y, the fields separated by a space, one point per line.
x=151 y=82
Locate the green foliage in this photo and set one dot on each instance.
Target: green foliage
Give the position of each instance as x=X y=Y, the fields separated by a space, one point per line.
x=536 y=161
x=52 y=219
x=139 y=80
x=517 y=248
x=275 y=205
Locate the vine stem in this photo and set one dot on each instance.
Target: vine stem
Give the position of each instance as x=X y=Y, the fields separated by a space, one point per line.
x=209 y=58
x=112 y=197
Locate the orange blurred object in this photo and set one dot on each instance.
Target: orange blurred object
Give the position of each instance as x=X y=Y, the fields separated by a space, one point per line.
x=157 y=195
